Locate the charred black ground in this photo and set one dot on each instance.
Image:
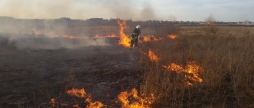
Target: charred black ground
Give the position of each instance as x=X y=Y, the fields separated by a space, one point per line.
x=31 y=77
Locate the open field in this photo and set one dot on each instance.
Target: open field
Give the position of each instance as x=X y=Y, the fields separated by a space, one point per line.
x=195 y=69
x=198 y=69
x=222 y=30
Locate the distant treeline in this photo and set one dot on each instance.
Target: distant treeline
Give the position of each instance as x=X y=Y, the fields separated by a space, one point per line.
x=10 y=24
x=67 y=22
x=76 y=22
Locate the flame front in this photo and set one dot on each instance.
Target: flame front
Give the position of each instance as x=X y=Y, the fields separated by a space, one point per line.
x=124 y=39
x=78 y=93
x=108 y=36
x=70 y=37
x=192 y=71
x=132 y=100
x=171 y=36
x=152 y=56
x=88 y=98
x=150 y=38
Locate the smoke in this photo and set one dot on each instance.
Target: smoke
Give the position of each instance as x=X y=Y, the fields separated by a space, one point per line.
x=20 y=32
x=44 y=9
x=122 y=10
x=147 y=13
x=76 y=9
x=129 y=10
x=45 y=42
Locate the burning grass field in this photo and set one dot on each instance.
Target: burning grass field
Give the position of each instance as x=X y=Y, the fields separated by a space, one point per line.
x=188 y=68
x=201 y=70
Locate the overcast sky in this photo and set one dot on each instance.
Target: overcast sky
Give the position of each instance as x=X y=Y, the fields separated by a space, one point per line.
x=181 y=10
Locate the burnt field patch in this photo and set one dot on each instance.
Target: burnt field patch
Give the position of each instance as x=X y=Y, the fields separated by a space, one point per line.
x=32 y=77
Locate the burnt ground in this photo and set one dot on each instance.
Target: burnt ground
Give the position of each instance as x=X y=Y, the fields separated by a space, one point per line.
x=31 y=77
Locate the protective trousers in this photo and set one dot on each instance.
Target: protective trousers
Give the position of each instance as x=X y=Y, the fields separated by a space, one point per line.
x=134 y=42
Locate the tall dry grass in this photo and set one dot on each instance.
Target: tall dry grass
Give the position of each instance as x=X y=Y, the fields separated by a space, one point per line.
x=227 y=61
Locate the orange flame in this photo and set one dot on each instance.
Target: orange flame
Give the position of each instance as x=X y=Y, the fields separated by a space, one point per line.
x=139 y=102
x=157 y=38
x=124 y=39
x=150 y=38
x=108 y=36
x=70 y=37
x=171 y=36
x=147 y=38
x=192 y=71
x=152 y=56
x=88 y=98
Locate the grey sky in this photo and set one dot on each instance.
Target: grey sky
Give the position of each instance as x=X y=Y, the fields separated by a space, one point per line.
x=185 y=10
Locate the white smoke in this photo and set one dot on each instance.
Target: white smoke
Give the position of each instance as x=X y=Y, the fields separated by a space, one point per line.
x=75 y=9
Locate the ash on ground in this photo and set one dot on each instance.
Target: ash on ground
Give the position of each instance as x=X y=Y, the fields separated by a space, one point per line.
x=31 y=77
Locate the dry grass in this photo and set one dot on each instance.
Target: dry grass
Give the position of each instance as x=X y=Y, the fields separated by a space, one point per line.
x=226 y=59
x=227 y=62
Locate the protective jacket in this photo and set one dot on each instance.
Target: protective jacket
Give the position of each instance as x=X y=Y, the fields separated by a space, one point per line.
x=136 y=32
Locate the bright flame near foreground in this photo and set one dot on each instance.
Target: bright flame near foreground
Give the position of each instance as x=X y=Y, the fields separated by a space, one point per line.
x=172 y=36
x=152 y=56
x=124 y=39
x=191 y=69
x=132 y=100
x=88 y=98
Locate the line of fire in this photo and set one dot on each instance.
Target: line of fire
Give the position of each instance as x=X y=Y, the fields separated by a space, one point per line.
x=132 y=99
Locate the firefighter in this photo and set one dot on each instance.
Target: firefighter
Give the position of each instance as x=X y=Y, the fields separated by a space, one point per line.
x=134 y=36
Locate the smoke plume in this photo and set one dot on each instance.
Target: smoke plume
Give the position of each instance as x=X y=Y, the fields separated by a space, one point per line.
x=76 y=9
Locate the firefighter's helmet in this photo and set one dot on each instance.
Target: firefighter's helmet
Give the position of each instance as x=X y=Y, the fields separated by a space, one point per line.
x=138 y=26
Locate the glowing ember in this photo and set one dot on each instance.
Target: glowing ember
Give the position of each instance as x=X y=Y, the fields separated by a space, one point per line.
x=53 y=102
x=152 y=56
x=76 y=106
x=172 y=36
x=147 y=38
x=192 y=71
x=132 y=100
x=88 y=98
x=124 y=39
